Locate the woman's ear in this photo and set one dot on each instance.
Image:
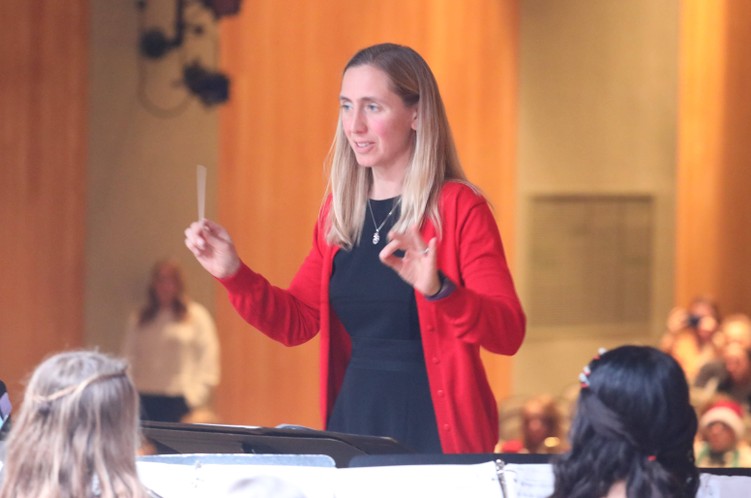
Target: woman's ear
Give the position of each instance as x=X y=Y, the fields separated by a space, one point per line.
x=414 y=119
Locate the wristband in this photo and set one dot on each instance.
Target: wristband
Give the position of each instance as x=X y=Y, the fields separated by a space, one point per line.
x=447 y=287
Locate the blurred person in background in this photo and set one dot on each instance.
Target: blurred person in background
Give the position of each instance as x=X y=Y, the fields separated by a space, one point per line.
x=736 y=329
x=541 y=426
x=692 y=335
x=731 y=375
x=722 y=431
x=173 y=348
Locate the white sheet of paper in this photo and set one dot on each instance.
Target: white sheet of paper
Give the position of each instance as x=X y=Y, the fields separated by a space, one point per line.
x=716 y=486
x=201 y=184
x=529 y=480
x=215 y=480
x=408 y=481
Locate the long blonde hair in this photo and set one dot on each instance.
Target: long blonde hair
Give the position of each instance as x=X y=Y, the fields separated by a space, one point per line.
x=77 y=432
x=434 y=158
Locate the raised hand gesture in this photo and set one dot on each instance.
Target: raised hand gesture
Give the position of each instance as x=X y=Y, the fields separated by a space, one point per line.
x=418 y=265
x=213 y=248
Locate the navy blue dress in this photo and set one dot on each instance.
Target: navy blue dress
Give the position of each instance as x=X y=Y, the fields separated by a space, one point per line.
x=385 y=391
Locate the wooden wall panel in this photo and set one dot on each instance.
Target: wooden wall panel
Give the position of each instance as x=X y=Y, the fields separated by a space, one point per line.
x=714 y=170
x=43 y=82
x=734 y=216
x=285 y=59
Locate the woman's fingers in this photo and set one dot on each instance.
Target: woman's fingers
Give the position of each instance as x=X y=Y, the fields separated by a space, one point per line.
x=215 y=233
x=204 y=234
x=388 y=255
x=212 y=246
x=431 y=250
x=409 y=241
x=194 y=239
x=414 y=261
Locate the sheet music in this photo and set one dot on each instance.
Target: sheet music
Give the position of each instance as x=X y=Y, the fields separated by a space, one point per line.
x=202 y=480
x=708 y=487
x=171 y=480
x=410 y=481
x=400 y=481
x=714 y=486
x=529 y=480
x=537 y=481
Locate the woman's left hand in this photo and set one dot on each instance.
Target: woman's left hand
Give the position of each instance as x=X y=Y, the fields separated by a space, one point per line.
x=418 y=265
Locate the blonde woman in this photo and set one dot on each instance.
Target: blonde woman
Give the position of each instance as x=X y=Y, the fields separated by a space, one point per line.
x=77 y=432
x=407 y=277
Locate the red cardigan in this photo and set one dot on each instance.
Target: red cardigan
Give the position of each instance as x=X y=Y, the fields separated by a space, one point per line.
x=483 y=310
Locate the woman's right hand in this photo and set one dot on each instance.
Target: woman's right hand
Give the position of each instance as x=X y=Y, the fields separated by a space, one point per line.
x=213 y=248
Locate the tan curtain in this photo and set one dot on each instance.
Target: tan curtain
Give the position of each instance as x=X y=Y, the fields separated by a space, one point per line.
x=285 y=60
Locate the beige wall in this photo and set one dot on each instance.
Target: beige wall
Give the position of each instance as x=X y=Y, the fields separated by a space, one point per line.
x=141 y=168
x=598 y=97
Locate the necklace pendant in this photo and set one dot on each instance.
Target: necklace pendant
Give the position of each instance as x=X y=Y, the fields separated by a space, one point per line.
x=376 y=237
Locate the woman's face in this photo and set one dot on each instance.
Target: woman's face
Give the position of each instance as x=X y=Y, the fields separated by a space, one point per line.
x=707 y=324
x=377 y=123
x=719 y=437
x=536 y=429
x=165 y=285
x=737 y=364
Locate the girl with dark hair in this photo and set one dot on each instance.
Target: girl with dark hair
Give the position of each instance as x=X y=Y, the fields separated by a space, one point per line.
x=633 y=432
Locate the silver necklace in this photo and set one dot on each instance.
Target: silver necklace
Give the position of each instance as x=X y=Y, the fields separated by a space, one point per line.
x=377 y=233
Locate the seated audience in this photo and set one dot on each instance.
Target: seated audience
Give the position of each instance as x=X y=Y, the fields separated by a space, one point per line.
x=542 y=428
x=722 y=430
x=76 y=433
x=633 y=431
x=692 y=336
x=730 y=376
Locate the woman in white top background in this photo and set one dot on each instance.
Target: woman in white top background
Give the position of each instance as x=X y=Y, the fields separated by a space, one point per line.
x=173 y=348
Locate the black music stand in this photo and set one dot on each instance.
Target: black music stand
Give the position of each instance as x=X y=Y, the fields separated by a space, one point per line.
x=172 y=438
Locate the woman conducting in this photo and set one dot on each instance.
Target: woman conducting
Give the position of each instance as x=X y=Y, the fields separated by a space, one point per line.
x=406 y=279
